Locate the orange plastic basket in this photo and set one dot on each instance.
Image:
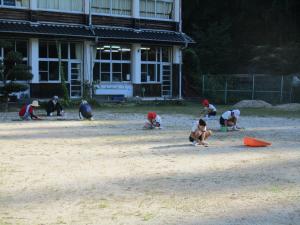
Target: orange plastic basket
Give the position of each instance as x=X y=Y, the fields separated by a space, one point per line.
x=253 y=142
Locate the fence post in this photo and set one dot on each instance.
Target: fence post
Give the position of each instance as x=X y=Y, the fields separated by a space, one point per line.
x=203 y=85
x=253 y=86
x=225 y=93
x=281 y=89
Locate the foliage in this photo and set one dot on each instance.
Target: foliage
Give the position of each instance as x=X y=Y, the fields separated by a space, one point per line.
x=238 y=36
x=12 y=71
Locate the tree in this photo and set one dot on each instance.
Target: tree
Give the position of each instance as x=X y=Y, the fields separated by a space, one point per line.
x=12 y=73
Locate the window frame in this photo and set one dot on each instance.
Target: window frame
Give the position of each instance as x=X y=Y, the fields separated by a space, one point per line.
x=110 y=11
x=158 y=63
x=68 y=60
x=18 y=7
x=155 y=17
x=61 y=10
x=111 y=63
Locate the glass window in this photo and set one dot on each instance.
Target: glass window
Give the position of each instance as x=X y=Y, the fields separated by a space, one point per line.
x=64 y=51
x=153 y=58
x=16 y=3
x=43 y=50
x=65 y=70
x=75 y=50
x=61 y=5
x=52 y=50
x=43 y=70
x=116 y=7
x=157 y=8
x=114 y=63
x=21 y=46
x=48 y=53
x=96 y=71
x=53 y=71
x=126 y=72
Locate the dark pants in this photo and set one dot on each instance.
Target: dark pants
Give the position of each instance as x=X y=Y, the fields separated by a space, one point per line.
x=52 y=108
x=213 y=113
x=191 y=139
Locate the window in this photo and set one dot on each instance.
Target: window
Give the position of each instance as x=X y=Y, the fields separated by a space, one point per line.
x=61 y=5
x=49 y=59
x=162 y=9
x=114 y=7
x=15 y=3
x=20 y=46
x=112 y=63
x=153 y=59
x=15 y=45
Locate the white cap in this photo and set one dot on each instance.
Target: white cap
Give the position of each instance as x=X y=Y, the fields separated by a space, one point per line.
x=35 y=103
x=84 y=102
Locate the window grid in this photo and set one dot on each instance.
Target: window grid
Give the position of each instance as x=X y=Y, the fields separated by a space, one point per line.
x=15 y=3
x=61 y=5
x=160 y=9
x=109 y=69
x=149 y=65
x=112 y=7
x=45 y=75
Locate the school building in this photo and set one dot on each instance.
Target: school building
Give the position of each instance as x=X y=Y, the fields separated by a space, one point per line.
x=119 y=47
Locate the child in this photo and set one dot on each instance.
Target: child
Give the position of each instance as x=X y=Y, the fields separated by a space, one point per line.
x=199 y=133
x=154 y=121
x=85 y=110
x=53 y=105
x=230 y=118
x=210 y=110
x=27 y=111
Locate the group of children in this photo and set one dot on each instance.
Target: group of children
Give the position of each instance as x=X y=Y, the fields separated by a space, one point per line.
x=228 y=120
x=27 y=112
x=198 y=136
x=199 y=133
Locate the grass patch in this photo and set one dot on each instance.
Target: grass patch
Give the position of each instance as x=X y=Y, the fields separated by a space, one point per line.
x=148 y=216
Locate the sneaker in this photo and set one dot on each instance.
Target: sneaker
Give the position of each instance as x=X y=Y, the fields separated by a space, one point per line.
x=195 y=143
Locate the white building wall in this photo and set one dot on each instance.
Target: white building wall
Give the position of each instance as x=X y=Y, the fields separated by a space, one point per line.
x=33 y=50
x=86 y=6
x=33 y=4
x=87 y=61
x=136 y=8
x=177 y=55
x=177 y=10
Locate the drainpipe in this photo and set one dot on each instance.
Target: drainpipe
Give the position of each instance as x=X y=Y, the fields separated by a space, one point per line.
x=182 y=48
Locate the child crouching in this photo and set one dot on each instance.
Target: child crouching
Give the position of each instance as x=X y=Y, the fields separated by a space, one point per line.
x=199 y=133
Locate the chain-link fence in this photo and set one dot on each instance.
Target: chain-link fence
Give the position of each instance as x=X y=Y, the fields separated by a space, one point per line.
x=233 y=88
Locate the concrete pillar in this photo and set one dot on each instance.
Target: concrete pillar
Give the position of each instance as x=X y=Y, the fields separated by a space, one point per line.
x=177 y=63
x=33 y=4
x=136 y=8
x=34 y=59
x=86 y=6
x=177 y=10
x=136 y=63
x=87 y=61
x=177 y=55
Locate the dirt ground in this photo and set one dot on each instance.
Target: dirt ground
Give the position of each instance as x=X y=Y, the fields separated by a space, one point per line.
x=111 y=171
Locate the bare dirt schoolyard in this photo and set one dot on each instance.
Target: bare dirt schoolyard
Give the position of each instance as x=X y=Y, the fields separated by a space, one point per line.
x=111 y=171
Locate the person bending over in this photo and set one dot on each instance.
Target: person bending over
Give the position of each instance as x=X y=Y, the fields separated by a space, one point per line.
x=153 y=121
x=53 y=105
x=230 y=119
x=27 y=111
x=85 y=111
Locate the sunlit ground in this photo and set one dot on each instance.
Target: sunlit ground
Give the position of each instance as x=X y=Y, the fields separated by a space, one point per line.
x=111 y=171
